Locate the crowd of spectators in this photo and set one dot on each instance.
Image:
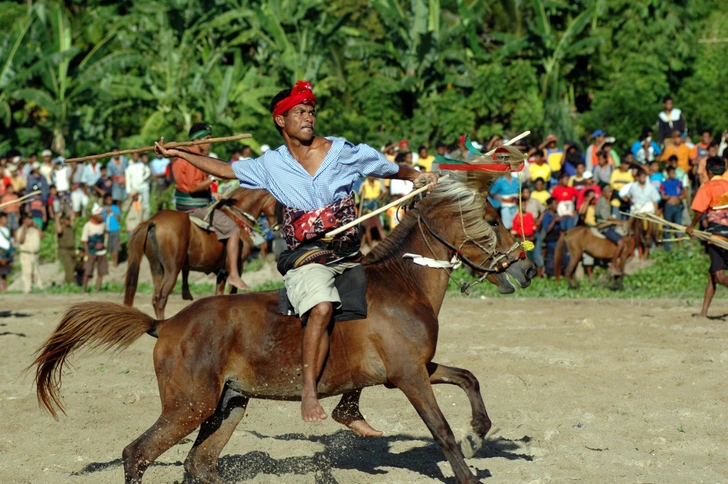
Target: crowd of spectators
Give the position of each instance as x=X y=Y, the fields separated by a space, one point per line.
x=560 y=187
x=563 y=186
x=34 y=192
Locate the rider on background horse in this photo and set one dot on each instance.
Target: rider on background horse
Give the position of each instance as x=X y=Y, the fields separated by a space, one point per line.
x=193 y=195
x=313 y=178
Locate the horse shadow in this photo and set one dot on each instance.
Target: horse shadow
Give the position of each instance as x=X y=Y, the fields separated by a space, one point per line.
x=10 y=314
x=343 y=451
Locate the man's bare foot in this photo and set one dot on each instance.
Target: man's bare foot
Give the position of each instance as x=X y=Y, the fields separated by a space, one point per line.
x=357 y=424
x=311 y=410
x=237 y=282
x=363 y=429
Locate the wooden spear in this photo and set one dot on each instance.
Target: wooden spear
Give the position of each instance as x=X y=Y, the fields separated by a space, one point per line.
x=383 y=209
x=21 y=199
x=171 y=144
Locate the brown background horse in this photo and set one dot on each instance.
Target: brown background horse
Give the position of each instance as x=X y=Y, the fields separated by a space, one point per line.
x=219 y=352
x=172 y=244
x=579 y=240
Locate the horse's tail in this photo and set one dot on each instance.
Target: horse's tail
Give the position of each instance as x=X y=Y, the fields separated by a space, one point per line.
x=137 y=243
x=559 y=254
x=100 y=325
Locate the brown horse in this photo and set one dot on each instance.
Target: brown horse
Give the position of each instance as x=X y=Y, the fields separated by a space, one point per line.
x=581 y=239
x=172 y=244
x=221 y=351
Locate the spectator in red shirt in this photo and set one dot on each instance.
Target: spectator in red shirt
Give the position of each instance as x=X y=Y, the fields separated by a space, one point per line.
x=524 y=225
x=588 y=185
x=565 y=197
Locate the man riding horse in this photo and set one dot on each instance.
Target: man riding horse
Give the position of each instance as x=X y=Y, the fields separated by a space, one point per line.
x=312 y=177
x=193 y=195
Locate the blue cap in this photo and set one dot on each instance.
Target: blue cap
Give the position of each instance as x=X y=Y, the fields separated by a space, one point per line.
x=599 y=132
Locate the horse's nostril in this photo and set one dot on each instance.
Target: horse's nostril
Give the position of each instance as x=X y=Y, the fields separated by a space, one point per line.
x=531 y=272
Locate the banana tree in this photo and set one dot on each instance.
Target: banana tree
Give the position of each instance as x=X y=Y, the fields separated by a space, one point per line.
x=67 y=78
x=12 y=53
x=557 y=53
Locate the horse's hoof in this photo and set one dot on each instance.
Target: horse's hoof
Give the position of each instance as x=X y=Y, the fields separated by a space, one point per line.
x=471 y=444
x=187 y=296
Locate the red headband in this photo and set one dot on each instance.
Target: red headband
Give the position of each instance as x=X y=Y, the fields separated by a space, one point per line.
x=300 y=94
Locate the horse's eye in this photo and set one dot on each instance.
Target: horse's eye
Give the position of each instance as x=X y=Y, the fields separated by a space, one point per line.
x=493 y=222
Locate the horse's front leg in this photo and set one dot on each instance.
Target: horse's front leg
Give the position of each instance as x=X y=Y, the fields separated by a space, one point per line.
x=417 y=388
x=480 y=422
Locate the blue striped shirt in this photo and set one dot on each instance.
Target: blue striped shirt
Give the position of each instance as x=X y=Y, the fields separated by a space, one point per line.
x=284 y=177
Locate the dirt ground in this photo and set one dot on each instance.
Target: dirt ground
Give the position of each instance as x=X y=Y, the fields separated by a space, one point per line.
x=587 y=390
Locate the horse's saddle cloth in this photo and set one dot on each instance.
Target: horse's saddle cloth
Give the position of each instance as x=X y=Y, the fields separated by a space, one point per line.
x=352 y=288
x=595 y=231
x=203 y=224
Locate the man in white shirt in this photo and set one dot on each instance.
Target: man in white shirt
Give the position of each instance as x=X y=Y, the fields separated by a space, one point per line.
x=159 y=172
x=79 y=199
x=137 y=175
x=62 y=177
x=46 y=168
x=643 y=196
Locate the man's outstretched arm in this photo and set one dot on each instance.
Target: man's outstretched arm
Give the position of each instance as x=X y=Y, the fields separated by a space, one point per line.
x=209 y=165
x=416 y=177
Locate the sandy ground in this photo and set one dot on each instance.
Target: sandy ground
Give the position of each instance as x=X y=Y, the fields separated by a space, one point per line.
x=591 y=391
x=51 y=273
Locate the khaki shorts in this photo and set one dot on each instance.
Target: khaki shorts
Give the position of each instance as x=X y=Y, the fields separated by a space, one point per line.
x=103 y=265
x=312 y=284
x=224 y=226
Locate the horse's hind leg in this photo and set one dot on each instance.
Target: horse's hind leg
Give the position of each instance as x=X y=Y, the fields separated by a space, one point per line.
x=570 y=275
x=418 y=390
x=215 y=432
x=169 y=429
x=163 y=290
x=480 y=422
x=186 y=294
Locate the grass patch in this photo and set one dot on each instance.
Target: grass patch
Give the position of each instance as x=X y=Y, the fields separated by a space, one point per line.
x=679 y=274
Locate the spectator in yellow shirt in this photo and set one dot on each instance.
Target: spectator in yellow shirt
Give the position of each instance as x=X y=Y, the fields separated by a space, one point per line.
x=426 y=159
x=539 y=191
x=620 y=178
x=679 y=149
x=538 y=168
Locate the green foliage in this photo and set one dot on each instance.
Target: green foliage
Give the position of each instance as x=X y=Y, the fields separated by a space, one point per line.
x=679 y=274
x=82 y=79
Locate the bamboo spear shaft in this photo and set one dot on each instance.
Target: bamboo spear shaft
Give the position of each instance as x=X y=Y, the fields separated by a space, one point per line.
x=382 y=209
x=171 y=144
x=411 y=194
x=510 y=142
x=21 y=199
x=699 y=234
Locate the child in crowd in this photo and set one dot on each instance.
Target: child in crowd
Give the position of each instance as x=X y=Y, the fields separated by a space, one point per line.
x=12 y=210
x=136 y=214
x=92 y=237
x=36 y=209
x=111 y=216
x=54 y=203
x=7 y=252
x=105 y=185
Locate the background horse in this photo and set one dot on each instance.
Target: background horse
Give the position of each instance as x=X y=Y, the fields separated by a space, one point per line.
x=581 y=239
x=220 y=351
x=172 y=243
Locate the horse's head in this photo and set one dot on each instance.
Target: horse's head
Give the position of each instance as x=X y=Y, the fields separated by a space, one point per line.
x=516 y=263
x=458 y=215
x=255 y=202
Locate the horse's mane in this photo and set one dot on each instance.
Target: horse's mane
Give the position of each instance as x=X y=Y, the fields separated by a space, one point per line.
x=463 y=195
